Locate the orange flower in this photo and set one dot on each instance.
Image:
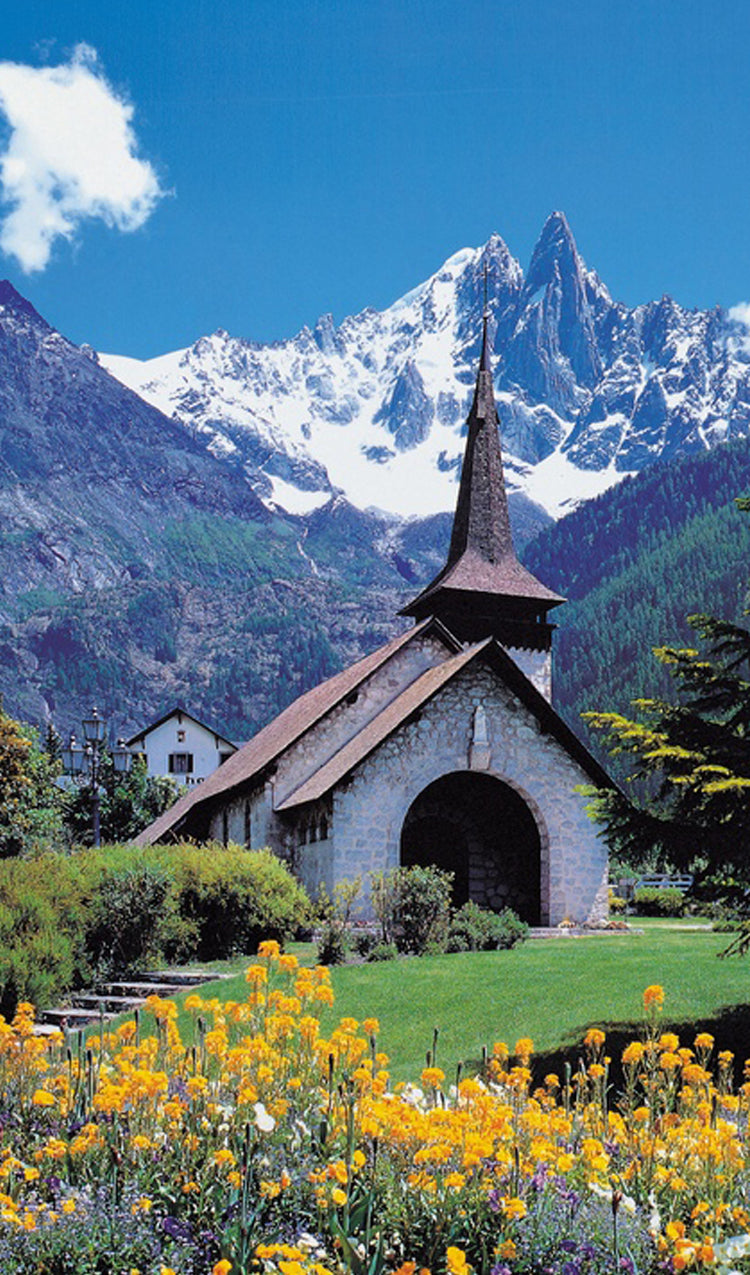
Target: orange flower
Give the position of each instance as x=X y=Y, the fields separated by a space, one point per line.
x=653 y=997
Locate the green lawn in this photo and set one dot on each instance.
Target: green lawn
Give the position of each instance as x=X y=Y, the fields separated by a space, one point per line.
x=551 y=990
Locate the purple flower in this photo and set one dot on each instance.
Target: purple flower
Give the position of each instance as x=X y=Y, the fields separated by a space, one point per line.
x=177 y=1229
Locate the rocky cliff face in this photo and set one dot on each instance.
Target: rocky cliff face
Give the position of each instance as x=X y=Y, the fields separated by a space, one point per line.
x=588 y=389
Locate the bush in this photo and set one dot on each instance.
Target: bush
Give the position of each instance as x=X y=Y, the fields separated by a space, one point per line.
x=227 y=899
x=383 y=952
x=651 y=901
x=477 y=929
x=413 y=907
x=66 y=919
x=616 y=902
x=128 y=920
x=332 y=945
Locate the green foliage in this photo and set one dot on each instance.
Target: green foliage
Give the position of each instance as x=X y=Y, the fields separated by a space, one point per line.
x=383 y=952
x=412 y=906
x=31 y=805
x=128 y=803
x=127 y=919
x=66 y=919
x=477 y=929
x=693 y=757
x=650 y=901
x=228 y=899
x=334 y=940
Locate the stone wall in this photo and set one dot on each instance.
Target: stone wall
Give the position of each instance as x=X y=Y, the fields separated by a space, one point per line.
x=368 y=814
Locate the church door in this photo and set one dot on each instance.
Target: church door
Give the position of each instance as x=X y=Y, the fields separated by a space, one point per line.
x=482 y=831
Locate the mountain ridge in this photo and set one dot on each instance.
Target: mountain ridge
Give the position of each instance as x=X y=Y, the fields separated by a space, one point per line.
x=587 y=388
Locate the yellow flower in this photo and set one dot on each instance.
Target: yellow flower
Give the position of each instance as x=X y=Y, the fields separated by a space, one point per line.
x=433 y=1076
x=338 y=1196
x=455 y=1262
x=524 y=1048
x=653 y=997
x=222 y=1268
x=41 y=1098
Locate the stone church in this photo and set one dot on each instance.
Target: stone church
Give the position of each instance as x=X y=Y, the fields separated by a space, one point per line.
x=441 y=747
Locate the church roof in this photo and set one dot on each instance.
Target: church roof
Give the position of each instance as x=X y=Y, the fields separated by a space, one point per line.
x=272 y=740
x=481 y=556
x=411 y=700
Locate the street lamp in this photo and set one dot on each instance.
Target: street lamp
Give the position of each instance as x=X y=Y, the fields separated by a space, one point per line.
x=85 y=760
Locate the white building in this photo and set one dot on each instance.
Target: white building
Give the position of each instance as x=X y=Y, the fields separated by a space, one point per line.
x=180 y=747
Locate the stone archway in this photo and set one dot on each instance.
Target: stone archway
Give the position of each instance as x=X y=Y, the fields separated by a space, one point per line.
x=482 y=830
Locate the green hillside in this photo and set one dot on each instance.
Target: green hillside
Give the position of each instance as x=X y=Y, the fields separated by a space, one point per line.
x=634 y=564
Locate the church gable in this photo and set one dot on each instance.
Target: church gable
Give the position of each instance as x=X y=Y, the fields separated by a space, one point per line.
x=477 y=726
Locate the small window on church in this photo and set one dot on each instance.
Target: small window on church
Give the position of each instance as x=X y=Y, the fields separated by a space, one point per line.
x=313 y=832
x=180 y=737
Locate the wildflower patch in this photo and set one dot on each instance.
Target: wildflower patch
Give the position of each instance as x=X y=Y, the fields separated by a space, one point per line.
x=267 y=1147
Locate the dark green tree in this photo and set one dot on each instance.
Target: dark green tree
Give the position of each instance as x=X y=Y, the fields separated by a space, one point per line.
x=690 y=763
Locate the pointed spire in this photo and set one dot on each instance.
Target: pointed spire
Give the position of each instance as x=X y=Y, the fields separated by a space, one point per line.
x=483 y=589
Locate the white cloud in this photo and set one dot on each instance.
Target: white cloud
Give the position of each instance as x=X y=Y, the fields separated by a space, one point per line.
x=70 y=154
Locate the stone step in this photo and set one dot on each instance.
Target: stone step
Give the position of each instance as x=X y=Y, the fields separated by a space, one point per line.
x=104 y=1000
x=183 y=978
x=136 y=989
x=69 y=1016
x=88 y=1006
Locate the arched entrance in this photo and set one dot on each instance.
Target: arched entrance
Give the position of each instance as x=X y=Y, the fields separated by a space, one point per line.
x=483 y=831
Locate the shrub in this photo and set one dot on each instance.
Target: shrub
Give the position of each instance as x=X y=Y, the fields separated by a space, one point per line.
x=332 y=945
x=227 y=899
x=616 y=902
x=383 y=952
x=363 y=941
x=128 y=920
x=651 y=901
x=477 y=929
x=423 y=899
x=65 y=919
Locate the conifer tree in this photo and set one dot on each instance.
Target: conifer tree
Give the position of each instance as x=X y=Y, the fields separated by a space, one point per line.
x=693 y=757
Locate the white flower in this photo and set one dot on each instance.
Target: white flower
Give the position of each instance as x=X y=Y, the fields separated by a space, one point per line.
x=733 y=1248
x=263 y=1119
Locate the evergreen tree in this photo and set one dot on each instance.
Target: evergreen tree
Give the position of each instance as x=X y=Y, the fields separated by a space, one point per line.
x=693 y=758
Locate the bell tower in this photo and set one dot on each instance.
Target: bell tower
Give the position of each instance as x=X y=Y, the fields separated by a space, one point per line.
x=483 y=590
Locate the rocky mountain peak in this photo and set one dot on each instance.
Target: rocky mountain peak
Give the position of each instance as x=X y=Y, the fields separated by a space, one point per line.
x=12 y=303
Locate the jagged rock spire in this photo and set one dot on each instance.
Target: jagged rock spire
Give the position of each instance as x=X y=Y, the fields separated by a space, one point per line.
x=483 y=590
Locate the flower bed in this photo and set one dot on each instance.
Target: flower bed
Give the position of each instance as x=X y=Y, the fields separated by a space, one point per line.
x=264 y=1146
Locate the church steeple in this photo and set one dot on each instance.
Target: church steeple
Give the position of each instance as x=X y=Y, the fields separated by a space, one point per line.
x=483 y=590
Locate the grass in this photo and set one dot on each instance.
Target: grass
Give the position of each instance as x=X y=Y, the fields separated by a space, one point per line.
x=550 y=990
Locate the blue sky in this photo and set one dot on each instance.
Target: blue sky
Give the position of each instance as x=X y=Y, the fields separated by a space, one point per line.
x=325 y=155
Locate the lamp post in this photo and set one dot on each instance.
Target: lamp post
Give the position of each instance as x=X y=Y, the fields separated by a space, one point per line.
x=85 y=761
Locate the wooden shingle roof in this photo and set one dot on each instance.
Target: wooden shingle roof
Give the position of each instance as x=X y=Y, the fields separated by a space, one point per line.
x=249 y=762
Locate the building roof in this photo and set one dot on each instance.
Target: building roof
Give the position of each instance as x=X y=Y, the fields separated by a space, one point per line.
x=481 y=556
x=152 y=726
x=414 y=698
x=261 y=751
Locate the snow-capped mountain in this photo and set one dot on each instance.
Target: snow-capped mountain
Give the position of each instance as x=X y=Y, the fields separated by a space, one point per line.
x=588 y=389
